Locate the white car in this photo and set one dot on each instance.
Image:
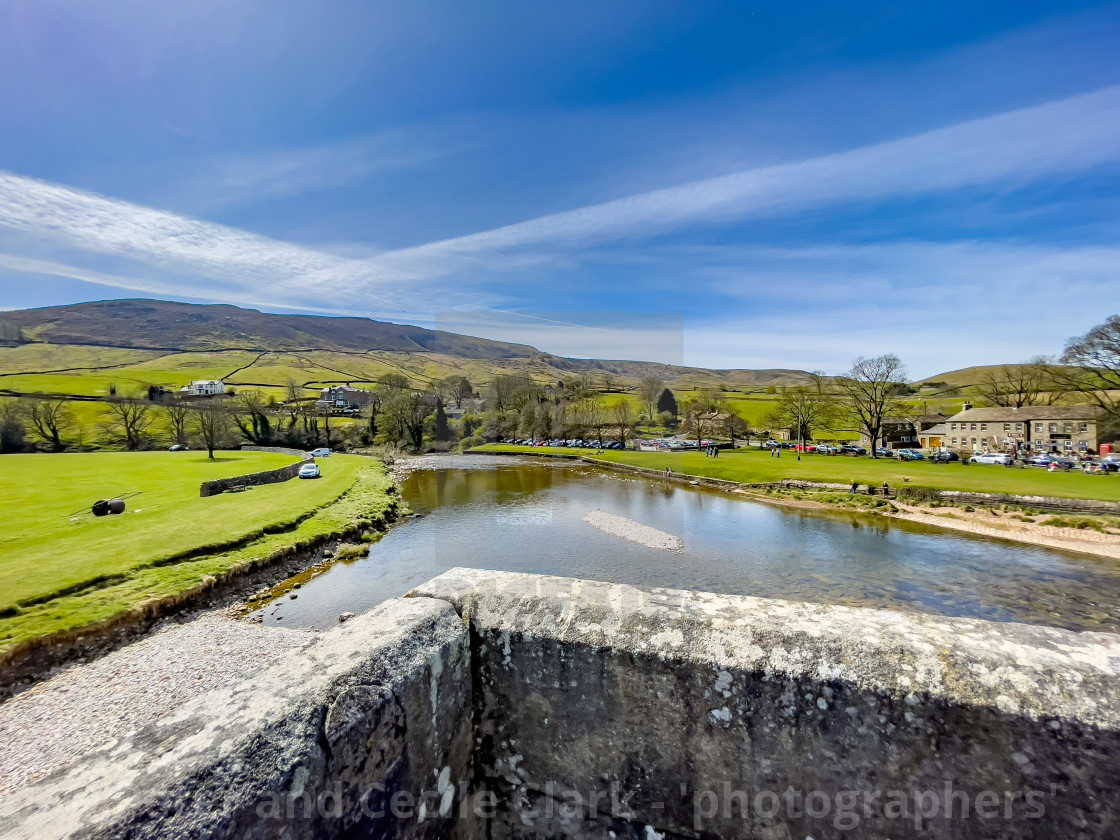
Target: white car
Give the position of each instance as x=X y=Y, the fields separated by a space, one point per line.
x=321 y=452
x=991 y=458
x=309 y=470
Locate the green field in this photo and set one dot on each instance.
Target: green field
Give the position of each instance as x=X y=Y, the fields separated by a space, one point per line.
x=63 y=572
x=754 y=466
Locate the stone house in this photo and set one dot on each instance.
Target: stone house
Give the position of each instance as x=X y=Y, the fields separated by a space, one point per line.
x=1046 y=428
x=344 y=396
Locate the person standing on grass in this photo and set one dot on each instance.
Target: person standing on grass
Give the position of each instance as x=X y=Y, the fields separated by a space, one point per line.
x=854 y=488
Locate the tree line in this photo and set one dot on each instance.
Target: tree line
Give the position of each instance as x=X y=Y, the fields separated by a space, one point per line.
x=401 y=414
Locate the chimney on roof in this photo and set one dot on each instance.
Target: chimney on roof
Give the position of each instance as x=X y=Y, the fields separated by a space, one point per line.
x=966 y=407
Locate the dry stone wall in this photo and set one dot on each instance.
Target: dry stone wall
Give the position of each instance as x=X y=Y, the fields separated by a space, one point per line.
x=221 y=485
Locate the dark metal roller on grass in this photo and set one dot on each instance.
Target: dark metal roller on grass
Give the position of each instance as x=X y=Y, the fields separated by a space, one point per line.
x=106 y=507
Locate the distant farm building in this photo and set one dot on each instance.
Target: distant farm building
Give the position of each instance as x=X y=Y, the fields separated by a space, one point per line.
x=203 y=388
x=344 y=396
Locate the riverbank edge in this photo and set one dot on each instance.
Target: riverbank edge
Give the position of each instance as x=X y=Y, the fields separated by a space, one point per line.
x=31 y=661
x=899 y=510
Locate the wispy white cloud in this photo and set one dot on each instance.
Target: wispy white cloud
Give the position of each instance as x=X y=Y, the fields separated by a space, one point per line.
x=1056 y=139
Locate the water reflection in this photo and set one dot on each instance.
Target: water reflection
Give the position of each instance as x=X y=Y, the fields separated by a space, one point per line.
x=528 y=516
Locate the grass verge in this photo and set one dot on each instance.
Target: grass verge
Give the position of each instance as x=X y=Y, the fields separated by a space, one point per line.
x=261 y=525
x=754 y=466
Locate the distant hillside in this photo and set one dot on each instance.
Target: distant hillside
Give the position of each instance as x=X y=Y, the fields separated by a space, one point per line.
x=183 y=328
x=965 y=377
x=162 y=325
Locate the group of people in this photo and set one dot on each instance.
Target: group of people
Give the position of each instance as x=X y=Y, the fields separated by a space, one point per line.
x=775 y=452
x=870 y=490
x=711 y=451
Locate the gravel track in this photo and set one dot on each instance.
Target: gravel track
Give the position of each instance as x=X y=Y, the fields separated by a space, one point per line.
x=628 y=529
x=62 y=718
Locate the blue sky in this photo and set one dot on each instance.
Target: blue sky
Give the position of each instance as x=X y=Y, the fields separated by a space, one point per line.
x=727 y=185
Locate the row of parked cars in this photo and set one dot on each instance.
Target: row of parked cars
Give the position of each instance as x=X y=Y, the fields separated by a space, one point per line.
x=574 y=443
x=1109 y=463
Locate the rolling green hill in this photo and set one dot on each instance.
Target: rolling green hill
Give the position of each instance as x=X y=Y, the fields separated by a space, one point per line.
x=87 y=348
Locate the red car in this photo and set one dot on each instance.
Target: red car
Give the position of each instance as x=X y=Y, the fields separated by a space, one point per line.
x=805 y=447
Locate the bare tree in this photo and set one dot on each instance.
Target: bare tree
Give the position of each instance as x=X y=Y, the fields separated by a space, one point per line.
x=395 y=382
x=252 y=415
x=510 y=393
x=51 y=419
x=702 y=414
x=649 y=389
x=129 y=421
x=1095 y=359
x=735 y=427
x=213 y=424
x=802 y=409
x=622 y=414
x=178 y=415
x=870 y=393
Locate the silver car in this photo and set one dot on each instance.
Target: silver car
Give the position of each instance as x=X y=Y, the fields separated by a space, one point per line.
x=1000 y=458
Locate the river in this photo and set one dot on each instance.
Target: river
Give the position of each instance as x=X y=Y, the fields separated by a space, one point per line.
x=526 y=515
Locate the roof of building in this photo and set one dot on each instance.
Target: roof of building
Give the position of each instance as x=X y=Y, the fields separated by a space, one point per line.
x=1029 y=413
x=934 y=431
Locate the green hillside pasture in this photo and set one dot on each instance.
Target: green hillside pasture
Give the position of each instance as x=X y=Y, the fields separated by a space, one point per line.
x=65 y=572
x=172 y=370
x=33 y=358
x=755 y=466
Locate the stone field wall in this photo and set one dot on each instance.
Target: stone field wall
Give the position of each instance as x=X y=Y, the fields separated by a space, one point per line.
x=221 y=485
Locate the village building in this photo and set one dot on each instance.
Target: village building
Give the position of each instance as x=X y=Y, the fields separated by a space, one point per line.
x=1063 y=429
x=344 y=396
x=203 y=388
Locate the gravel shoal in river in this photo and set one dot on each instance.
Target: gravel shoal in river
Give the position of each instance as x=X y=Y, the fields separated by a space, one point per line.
x=86 y=705
x=628 y=529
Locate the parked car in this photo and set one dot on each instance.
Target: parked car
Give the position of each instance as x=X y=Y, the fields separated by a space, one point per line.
x=806 y=447
x=309 y=470
x=1046 y=459
x=884 y=452
x=1111 y=463
x=852 y=449
x=179 y=447
x=321 y=452
x=944 y=457
x=1001 y=458
x=909 y=455
x=828 y=449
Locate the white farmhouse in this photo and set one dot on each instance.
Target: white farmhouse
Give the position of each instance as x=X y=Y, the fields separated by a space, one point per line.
x=204 y=388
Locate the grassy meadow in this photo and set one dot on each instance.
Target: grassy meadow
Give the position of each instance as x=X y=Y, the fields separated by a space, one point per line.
x=63 y=571
x=755 y=466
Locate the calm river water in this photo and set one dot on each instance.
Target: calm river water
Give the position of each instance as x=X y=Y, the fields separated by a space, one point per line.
x=527 y=516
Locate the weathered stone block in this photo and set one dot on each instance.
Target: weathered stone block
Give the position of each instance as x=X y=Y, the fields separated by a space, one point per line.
x=315 y=747
x=714 y=716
